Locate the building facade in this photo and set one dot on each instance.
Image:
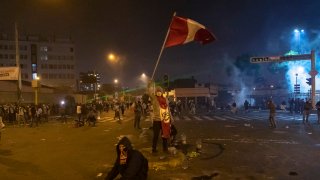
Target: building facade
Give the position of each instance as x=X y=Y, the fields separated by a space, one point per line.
x=50 y=58
x=89 y=81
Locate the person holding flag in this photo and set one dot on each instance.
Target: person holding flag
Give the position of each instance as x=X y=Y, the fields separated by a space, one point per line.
x=161 y=118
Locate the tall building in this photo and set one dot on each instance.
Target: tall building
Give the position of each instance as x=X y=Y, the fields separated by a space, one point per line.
x=50 y=58
x=90 y=81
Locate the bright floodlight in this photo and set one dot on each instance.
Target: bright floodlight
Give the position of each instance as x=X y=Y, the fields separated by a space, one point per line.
x=62 y=102
x=111 y=57
x=302 y=31
x=296 y=31
x=300 y=69
x=115 y=81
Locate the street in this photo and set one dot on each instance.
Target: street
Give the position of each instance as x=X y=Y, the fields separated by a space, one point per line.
x=234 y=146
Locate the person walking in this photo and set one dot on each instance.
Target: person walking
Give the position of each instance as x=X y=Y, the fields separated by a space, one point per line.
x=117 y=112
x=272 y=113
x=138 y=109
x=130 y=163
x=306 y=111
x=20 y=116
x=79 y=112
x=318 y=111
x=39 y=114
x=33 y=113
x=246 y=106
x=161 y=117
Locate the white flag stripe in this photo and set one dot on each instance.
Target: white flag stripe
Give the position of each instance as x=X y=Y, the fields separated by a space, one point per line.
x=193 y=27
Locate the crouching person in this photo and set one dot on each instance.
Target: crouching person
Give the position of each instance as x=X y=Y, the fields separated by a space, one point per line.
x=130 y=163
x=91 y=119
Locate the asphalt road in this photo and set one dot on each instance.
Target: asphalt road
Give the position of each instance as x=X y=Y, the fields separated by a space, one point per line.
x=234 y=146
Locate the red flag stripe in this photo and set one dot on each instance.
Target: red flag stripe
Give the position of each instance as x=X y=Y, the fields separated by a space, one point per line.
x=178 y=32
x=184 y=30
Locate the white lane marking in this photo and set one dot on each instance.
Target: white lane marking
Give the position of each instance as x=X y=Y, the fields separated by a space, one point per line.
x=208 y=118
x=220 y=118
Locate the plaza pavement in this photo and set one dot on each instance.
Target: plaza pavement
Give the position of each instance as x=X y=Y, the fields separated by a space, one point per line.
x=233 y=147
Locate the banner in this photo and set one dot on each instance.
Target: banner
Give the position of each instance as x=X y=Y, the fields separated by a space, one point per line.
x=9 y=73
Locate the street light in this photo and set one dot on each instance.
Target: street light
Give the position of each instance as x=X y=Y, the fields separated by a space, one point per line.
x=113 y=58
x=271 y=86
x=36 y=85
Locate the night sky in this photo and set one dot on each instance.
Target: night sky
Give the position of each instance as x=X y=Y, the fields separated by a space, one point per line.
x=135 y=30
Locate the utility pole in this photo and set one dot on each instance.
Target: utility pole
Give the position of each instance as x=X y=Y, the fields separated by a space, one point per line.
x=19 y=94
x=313 y=74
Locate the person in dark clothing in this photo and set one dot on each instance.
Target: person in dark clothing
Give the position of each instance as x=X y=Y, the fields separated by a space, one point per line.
x=306 y=111
x=246 y=106
x=272 y=113
x=33 y=116
x=138 y=112
x=130 y=163
x=318 y=111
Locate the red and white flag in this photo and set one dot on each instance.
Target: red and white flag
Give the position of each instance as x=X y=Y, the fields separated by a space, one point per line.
x=183 y=30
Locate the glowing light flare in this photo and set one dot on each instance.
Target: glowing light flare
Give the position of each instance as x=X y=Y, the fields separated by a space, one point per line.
x=297 y=73
x=300 y=69
x=112 y=58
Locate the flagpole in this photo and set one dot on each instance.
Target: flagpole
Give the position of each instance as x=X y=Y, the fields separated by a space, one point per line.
x=155 y=68
x=18 y=63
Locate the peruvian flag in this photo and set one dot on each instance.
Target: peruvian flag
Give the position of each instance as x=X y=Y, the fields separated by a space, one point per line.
x=183 y=30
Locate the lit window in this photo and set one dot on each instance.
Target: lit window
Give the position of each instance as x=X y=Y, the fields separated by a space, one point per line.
x=44 y=57
x=44 y=48
x=34 y=76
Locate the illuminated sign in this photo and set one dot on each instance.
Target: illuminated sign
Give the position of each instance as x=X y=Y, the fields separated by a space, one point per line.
x=280 y=58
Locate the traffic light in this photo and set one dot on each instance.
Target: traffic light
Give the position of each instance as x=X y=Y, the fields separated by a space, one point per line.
x=165 y=78
x=309 y=81
x=166 y=81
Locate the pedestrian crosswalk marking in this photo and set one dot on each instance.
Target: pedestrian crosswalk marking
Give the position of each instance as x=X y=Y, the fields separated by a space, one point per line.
x=176 y=118
x=243 y=118
x=208 y=118
x=213 y=117
x=220 y=118
x=197 y=118
x=187 y=118
x=230 y=117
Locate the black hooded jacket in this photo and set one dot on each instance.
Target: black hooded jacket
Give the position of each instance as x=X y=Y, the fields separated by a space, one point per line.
x=136 y=167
